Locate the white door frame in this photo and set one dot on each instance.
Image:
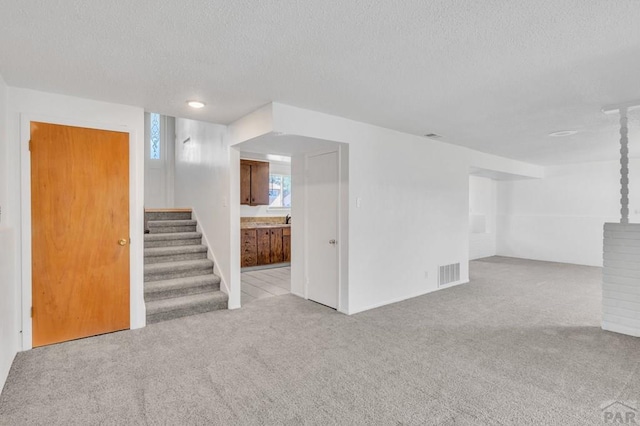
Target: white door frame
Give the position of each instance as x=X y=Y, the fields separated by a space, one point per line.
x=136 y=298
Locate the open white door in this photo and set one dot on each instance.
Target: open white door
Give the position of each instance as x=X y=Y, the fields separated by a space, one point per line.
x=322 y=228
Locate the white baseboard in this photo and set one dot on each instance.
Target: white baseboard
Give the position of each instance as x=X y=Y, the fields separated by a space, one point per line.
x=402 y=298
x=617 y=328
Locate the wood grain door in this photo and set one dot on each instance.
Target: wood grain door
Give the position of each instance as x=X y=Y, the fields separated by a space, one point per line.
x=248 y=252
x=286 y=244
x=245 y=183
x=264 y=246
x=276 y=246
x=80 y=232
x=260 y=183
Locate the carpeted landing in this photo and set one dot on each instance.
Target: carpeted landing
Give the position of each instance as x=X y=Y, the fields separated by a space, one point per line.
x=520 y=344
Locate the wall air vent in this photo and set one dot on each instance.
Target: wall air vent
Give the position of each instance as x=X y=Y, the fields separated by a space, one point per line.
x=449 y=274
x=433 y=135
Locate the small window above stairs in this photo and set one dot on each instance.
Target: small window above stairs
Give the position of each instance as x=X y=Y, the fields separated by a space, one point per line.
x=178 y=277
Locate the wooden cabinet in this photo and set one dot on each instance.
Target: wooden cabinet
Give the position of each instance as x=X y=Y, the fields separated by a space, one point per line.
x=264 y=246
x=276 y=245
x=245 y=182
x=248 y=247
x=254 y=182
x=260 y=183
x=286 y=244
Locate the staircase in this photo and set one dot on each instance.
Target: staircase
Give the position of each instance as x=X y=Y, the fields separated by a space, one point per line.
x=178 y=277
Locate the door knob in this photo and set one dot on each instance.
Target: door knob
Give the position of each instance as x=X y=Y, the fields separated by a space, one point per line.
x=122 y=242
x=332 y=242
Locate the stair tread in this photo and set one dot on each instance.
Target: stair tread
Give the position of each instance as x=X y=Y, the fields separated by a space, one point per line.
x=178 y=283
x=172 y=222
x=175 y=210
x=179 y=280
x=172 y=236
x=166 y=251
x=182 y=302
x=179 y=265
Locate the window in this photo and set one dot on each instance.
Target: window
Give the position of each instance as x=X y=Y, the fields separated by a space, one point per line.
x=154 y=136
x=279 y=191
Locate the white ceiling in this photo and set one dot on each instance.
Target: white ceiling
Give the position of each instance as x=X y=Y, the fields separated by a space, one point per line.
x=493 y=75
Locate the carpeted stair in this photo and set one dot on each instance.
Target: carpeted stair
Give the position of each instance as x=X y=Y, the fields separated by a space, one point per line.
x=178 y=276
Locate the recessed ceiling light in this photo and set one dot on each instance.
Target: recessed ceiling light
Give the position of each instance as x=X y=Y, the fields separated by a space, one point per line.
x=562 y=133
x=195 y=104
x=432 y=135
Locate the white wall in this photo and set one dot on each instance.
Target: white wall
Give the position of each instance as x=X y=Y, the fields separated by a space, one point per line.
x=202 y=182
x=30 y=104
x=159 y=174
x=3 y=150
x=257 y=123
x=482 y=217
x=620 y=280
x=560 y=218
x=412 y=217
x=298 y=187
x=408 y=202
x=9 y=302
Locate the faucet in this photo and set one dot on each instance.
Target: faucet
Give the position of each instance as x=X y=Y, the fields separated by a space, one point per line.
x=287 y=219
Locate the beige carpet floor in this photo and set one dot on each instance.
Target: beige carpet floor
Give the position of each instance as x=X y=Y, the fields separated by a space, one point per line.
x=520 y=344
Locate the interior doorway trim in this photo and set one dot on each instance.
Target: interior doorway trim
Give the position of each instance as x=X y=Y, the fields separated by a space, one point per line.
x=136 y=297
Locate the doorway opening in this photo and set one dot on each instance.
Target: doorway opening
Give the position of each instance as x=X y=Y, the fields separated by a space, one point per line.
x=265 y=225
x=310 y=191
x=482 y=217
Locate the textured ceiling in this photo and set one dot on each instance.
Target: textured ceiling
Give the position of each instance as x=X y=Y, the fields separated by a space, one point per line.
x=496 y=76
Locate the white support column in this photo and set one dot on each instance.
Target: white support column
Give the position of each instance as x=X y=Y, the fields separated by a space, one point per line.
x=621 y=279
x=624 y=167
x=621 y=272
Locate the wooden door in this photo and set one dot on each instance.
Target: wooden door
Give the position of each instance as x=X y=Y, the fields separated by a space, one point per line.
x=322 y=208
x=260 y=183
x=245 y=183
x=276 y=246
x=80 y=232
x=264 y=246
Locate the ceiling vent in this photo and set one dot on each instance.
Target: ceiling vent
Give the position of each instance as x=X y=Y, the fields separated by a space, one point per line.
x=433 y=135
